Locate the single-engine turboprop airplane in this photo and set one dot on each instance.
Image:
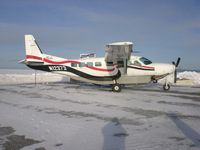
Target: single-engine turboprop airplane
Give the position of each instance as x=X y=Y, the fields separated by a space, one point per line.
x=117 y=68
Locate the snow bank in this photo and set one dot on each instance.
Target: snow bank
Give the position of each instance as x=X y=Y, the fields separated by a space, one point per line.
x=190 y=75
x=28 y=76
x=186 y=78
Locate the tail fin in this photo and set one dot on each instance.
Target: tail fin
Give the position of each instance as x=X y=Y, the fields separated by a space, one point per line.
x=33 y=51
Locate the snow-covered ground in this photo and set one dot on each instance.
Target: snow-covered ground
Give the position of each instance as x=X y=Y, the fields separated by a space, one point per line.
x=64 y=116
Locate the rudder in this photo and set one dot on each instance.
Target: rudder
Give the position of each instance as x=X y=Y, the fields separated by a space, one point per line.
x=33 y=51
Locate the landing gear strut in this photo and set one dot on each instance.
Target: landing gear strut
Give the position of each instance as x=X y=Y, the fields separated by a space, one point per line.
x=116 y=87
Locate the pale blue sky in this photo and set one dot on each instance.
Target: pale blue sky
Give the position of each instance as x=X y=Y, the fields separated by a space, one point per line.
x=161 y=30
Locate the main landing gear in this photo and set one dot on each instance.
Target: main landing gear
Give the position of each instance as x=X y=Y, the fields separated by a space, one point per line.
x=116 y=87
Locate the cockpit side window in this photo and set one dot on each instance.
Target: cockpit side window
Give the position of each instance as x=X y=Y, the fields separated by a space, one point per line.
x=136 y=63
x=145 y=61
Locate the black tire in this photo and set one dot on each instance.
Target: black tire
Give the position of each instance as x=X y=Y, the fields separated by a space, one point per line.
x=166 y=87
x=155 y=81
x=116 y=88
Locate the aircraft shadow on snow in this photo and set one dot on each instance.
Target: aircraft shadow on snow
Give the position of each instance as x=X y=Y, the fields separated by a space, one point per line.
x=189 y=132
x=114 y=135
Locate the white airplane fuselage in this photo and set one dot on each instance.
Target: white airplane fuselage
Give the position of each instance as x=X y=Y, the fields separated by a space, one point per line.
x=96 y=70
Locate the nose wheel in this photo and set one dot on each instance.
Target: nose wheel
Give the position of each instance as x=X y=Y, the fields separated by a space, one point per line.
x=116 y=88
x=166 y=87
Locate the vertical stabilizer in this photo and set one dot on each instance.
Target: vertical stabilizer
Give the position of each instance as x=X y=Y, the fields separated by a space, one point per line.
x=33 y=51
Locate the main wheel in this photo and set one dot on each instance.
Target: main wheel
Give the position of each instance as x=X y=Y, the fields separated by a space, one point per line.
x=116 y=88
x=166 y=87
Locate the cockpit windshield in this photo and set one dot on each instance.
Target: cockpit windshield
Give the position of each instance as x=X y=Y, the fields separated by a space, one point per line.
x=145 y=61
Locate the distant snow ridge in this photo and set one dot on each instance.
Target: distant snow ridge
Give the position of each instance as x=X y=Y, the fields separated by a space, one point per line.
x=190 y=75
x=20 y=78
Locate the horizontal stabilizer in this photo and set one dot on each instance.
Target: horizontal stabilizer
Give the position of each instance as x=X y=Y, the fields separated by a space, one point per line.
x=31 y=63
x=22 y=61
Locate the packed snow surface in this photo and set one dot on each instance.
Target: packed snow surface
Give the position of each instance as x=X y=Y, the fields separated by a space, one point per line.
x=66 y=116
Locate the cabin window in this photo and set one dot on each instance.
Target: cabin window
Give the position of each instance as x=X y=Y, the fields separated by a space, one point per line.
x=137 y=63
x=89 y=64
x=82 y=64
x=131 y=62
x=109 y=63
x=73 y=64
x=145 y=61
x=97 y=64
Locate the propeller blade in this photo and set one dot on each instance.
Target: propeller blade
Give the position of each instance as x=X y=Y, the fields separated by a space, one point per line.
x=175 y=76
x=178 y=61
x=176 y=65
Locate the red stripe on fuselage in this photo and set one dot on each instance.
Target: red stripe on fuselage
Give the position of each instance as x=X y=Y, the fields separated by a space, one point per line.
x=60 y=62
x=33 y=57
x=100 y=69
x=148 y=67
x=67 y=61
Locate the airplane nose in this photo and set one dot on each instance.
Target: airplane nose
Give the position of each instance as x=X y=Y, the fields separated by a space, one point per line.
x=172 y=68
x=165 y=68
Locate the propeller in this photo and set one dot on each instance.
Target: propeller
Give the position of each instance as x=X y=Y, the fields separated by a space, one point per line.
x=176 y=65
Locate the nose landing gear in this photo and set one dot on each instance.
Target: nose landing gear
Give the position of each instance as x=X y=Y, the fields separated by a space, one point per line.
x=166 y=87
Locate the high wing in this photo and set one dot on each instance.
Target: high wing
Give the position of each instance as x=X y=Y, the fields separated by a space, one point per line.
x=119 y=52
